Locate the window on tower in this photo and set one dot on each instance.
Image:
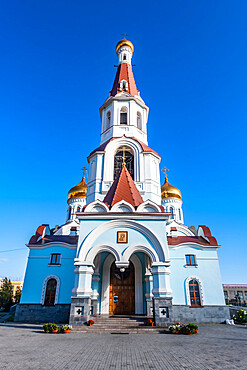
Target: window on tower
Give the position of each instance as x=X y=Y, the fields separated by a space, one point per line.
x=172 y=212
x=108 y=120
x=69 y=213
x=124 y=57
x=124 y=154
x=139 y=120
x=123 y=116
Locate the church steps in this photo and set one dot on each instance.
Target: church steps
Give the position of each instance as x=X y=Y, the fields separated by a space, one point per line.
x=118 y=325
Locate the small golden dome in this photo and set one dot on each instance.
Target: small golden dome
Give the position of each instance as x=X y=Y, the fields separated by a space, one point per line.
x=78 y=191
x=169 y=191
x=124 y=42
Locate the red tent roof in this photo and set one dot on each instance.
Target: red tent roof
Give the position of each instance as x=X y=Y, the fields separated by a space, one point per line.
x=123 y=188
x=124 y=72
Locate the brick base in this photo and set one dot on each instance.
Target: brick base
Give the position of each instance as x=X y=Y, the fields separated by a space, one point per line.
x=36 y=313
x=206 y=314
x=80 y=310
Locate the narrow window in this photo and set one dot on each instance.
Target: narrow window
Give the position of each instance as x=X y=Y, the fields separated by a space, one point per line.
x=124 y=57
x=172 y=212
x=139 y=120
x=108 y=120
x=55 y=259
x=195 y=300
x=50 y=292
x=190 y=260
x=78 y=209
x=179 y=214
x=69 y=213
x=123 y=116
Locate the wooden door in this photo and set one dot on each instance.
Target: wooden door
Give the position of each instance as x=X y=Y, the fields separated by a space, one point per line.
x=122 y=291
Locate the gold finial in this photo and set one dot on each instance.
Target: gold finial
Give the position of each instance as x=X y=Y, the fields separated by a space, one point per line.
x=84 y=169
x=124 y=163
x=165 y=170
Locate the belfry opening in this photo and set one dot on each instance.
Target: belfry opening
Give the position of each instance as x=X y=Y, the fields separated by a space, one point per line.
x=124 y=154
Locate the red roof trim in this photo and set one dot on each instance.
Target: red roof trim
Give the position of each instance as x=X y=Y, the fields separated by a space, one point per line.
x=68 y=239
x=190 y=239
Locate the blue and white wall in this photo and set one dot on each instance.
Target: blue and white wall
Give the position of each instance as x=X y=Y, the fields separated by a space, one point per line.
x=39 y=270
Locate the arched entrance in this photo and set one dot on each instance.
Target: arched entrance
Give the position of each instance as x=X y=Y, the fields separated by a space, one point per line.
x=122 y=290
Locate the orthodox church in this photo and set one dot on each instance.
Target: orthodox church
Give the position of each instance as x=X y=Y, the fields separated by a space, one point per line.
x=124 y=248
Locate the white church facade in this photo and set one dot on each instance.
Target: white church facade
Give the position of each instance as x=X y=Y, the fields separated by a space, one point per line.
x=124 y=249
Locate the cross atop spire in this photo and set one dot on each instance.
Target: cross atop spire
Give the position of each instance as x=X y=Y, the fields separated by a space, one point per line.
x=84 y=169
x=165 y=170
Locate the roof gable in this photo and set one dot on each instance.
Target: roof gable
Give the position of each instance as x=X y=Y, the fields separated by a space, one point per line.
x=123 y=188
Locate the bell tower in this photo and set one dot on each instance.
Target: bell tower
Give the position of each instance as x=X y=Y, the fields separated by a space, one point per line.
x=124 y=112
x=124 y=117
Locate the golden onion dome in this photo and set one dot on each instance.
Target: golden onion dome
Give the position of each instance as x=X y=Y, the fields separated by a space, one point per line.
x=169 y=191
x=124 y=42
x=78 y=191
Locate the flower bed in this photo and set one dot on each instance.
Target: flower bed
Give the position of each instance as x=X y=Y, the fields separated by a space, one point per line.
x=149 y=322
x=90 y=322
x=240 y=317
x=178 y=328
x=52 y=328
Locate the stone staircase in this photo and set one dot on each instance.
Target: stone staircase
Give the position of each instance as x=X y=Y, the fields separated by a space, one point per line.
x=119 y=325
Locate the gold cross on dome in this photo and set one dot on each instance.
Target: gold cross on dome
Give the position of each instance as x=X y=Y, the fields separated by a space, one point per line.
x=124 y=35
x=84 y=169
x=165 y=170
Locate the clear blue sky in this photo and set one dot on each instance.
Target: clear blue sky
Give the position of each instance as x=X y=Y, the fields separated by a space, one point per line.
x=57 y=68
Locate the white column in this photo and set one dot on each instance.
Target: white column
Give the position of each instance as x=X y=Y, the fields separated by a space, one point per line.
x=161 y=280
x=83 y=281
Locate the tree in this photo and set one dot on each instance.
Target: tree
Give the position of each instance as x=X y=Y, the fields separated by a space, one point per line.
x=18 y=294
x=6 y=294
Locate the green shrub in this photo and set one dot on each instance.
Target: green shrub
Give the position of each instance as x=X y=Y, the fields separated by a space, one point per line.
x=240 y=317
x=49 y=327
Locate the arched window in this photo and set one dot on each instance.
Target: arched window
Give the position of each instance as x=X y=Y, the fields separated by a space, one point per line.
x=139 y=120
x=129 y=160
x=195 y=300
x=108 y=120
x=69 y=212
x=50 y=292
x=123 y=116
x=172 y=212
x=124 y=57
x=78 y=209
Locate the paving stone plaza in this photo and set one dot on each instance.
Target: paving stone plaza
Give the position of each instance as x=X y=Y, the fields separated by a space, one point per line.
x=214 y=347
